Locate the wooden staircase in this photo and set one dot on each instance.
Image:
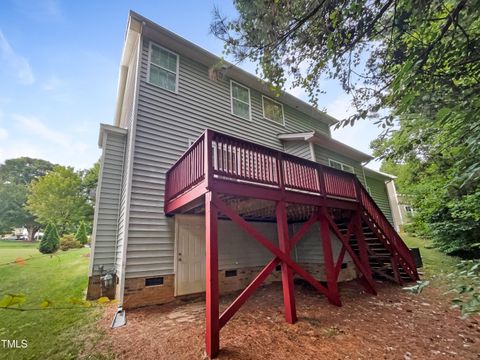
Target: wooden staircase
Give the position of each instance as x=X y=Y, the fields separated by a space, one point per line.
x=385 y=259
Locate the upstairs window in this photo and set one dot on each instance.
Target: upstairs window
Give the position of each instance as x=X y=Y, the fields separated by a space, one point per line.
x=240 y=100
x=163 y=68
x=341 y=166
x=273 y=110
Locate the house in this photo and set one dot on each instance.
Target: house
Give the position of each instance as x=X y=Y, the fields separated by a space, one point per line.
x=205 y=175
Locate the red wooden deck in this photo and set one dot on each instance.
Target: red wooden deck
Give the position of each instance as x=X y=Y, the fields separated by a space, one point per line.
x=223 y=176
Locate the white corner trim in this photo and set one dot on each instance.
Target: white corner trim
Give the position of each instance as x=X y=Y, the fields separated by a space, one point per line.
x=131 y=148
x=312 y=151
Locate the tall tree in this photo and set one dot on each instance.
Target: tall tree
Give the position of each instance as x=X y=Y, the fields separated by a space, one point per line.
x=13 y=198
x=415 y=65
x=23 y=170
x=57 y=198
x=416 y=58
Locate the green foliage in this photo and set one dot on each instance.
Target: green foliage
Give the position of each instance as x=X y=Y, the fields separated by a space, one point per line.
x=81 y=234
x=23 y=170
x=50 y=240
x=57 y=198
x=467 y=278
x=418 y=287
x=413 y=65
x=13 y=214
x=68 y=242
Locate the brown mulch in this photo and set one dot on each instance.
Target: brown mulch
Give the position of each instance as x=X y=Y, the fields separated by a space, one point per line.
x=392 y=325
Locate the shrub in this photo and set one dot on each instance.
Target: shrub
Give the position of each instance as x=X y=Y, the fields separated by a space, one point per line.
x=81 y=235
x=68 y=242
x=50 y=241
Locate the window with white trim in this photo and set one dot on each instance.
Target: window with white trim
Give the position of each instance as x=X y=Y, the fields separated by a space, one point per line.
x=163 y=68
x=240 y=96
x=273 y=110
x=341 y=166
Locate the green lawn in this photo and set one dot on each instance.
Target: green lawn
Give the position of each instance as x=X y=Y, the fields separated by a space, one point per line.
x=436 y=265
x=51 y=333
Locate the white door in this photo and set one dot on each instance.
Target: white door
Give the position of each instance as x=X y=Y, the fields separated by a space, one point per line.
x=190 y=235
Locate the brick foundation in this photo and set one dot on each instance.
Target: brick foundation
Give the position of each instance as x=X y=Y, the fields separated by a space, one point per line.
x=137 y=294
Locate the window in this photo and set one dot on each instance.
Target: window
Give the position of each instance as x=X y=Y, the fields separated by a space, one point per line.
x=163 y=68
x=240 y=100
x=273 y=110
x=341 y=166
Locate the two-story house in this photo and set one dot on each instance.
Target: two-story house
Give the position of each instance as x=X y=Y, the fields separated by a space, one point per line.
x=160 y=224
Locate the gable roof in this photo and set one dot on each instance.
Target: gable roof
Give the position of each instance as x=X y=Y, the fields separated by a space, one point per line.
x=138 y=24
x=327 y=142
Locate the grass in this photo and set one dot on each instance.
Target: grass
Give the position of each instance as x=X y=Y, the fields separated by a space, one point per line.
x=51 y=333
x=436 y=265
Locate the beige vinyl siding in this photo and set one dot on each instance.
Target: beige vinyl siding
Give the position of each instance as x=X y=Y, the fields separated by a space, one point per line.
x=108 y=205
x=378 y=191
x=165 y=121
x=299 y=148
x=322 y=155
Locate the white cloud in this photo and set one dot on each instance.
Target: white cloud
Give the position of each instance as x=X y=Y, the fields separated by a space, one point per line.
x=41 y=141
x=341 y=108
x=52 y=84
x=16 y=62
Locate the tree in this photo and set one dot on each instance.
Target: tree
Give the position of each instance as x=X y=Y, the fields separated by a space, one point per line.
x=23 y=170
x=421 y=59
x=81 y=235
x=415 y=65
x=57 y=198
x=50 y=240
x=13 y=198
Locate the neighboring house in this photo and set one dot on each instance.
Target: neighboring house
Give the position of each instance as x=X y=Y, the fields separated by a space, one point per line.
x=156 y=237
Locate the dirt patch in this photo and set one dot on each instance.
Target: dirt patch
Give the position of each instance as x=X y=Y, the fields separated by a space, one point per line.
x=393 y=325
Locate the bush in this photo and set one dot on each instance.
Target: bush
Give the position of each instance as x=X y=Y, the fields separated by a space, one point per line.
x=68 y=242
x=50 y=241
x=81 y=235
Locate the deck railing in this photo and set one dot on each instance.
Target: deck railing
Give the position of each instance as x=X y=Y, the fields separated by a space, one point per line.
x=233 y=159
x=239 y=160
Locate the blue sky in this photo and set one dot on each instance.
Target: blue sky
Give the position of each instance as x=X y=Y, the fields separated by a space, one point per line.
x=59 y=67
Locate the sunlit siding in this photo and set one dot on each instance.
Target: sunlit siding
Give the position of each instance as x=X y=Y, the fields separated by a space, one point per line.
x=298 y=148
x=165 y=123
x=108 y=204
x=126 y=121
x=378 y=191
x=322 y=155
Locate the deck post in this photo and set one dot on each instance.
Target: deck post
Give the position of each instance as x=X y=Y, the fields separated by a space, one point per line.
x=212 y=333
x=208 y=158
x=328 y=257
x=287 y=275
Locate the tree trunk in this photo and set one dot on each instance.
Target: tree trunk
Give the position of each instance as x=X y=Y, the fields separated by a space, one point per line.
x=32 y=231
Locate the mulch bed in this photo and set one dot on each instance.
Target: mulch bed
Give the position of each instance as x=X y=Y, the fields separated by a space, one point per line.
x=392 y=325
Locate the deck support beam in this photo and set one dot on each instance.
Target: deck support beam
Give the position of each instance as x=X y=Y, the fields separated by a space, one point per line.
x=212 y=333
x=287 y=275
x=328 y=257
